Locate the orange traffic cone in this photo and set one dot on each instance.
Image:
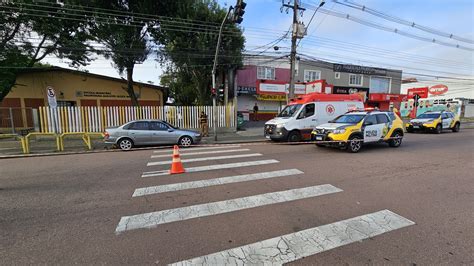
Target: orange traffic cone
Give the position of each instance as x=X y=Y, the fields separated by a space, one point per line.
x=176 y=165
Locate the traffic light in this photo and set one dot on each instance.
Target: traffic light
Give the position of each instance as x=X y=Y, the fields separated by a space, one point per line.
x=416 y=97
x=220 y=93
x=239 y=11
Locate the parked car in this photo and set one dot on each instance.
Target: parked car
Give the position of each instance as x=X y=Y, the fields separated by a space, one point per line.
x=434 y=122
x=353 y=129
x=149 y=132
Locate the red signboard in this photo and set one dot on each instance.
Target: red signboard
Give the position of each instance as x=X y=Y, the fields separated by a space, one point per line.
x=423 y=92
x=439 y=89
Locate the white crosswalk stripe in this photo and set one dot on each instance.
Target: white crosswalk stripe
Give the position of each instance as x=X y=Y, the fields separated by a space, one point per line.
x=291 y=247
x=202 y=159
x=200 y=149
x=153 y=219
x=213 y=182
x=198 y=153
x=211 y=167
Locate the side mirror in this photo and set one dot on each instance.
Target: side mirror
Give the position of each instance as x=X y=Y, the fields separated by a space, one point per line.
x=170 y=130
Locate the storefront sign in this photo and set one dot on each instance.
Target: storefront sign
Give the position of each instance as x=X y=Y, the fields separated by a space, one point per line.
x=352 y=90
x=439 y=89
x=314 y=87
x=359 y=70
x=51 y=97
x=271 y=97
x=266 y=87
x=246 y=90
x=299 y=88
x=99 y=94
x=422 y=92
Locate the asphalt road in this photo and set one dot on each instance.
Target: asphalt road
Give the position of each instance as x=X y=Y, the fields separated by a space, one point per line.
x=68 y=209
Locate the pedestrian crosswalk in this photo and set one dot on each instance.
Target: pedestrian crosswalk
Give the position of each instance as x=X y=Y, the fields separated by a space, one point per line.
x=276 y=250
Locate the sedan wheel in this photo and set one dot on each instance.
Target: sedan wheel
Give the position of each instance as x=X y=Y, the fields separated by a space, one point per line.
x=125 y=144
x=185 y=141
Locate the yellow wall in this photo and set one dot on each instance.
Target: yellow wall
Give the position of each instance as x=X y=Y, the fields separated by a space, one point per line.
x=69 y=86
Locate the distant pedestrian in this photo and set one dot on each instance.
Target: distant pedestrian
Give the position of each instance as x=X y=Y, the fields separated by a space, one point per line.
x=255 y=112
x=204 y=124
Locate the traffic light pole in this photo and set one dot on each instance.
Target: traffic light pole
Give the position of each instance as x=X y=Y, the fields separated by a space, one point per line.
x=214 y=100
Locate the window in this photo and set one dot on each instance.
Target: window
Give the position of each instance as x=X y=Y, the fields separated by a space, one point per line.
x=382 y=119
x=311 y=75
x=450 y=115
x=370 y=120
x=158 y=126
x=337 y=75
x=307 y=111
x=265 y=73
x=355 y=79
x=392 y=116
x=379 y=85
x=138 y=126
x=444 y=116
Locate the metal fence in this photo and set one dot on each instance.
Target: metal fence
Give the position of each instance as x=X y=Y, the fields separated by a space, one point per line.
x=14 y=119
x=96 y=119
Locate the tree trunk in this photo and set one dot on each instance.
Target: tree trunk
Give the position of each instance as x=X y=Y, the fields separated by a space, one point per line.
x=130 y=90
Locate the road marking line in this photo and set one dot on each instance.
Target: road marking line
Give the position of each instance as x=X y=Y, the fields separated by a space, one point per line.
x=291 y=247
x=153 y=219
x=211 y=167
x=207 y=158
x=213 y=182
x=199 y=149
x=198 y=153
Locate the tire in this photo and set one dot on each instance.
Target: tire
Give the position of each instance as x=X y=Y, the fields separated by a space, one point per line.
x=397 y=141
x=456 y=127
x=185 y=141
x=294 y=136
x=410 y=130
x=438 y=129
x=355 y=144
x=125 y=144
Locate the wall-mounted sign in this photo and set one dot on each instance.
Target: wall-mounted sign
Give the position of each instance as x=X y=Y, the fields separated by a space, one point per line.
x=314 y=87
x=352 y=90
x=99 y=94
x=267 y=87
x=422 y=92
x=51 y=97
x=299 y=88
x=246 y=90
x=359 y=69
x=272 y=97
x=439 y=89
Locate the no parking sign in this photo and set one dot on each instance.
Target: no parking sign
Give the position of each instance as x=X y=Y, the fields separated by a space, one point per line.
x=51 y=97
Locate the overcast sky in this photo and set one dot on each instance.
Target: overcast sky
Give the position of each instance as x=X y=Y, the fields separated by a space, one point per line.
x=342 y=40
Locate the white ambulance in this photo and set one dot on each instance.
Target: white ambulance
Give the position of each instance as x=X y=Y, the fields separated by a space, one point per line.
x=296 y=121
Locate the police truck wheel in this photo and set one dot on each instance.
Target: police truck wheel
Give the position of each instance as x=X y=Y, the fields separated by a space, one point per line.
x=294 y=136
x=410 y=130
x=185 y=141
x=396 y=141
x=438 y=129
x=355 y=144
x=125 y=144
x=456 y=127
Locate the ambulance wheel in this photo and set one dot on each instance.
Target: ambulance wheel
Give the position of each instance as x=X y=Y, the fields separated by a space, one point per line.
x=294 y=136
x=438 y=129
x=456 y=127
x=355 y=144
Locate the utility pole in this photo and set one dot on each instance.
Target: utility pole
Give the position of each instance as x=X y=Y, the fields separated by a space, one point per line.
x=297 y=33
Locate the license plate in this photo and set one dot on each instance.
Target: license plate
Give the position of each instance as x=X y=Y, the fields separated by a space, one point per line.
x=267 y=137
x=416 y=126
x=319 y=138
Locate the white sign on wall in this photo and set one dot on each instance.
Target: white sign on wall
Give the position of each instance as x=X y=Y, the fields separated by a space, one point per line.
x=51 y=97
x=314 y=87
x=264 y=87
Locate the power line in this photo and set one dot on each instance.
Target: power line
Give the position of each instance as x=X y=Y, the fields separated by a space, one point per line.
x=393 y=30
x=398 y=20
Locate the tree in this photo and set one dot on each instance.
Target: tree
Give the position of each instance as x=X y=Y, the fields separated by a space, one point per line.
x=31 y=30
x=189 y=45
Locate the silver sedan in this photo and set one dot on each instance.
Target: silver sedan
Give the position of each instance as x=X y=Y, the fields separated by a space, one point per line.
x=149 y=132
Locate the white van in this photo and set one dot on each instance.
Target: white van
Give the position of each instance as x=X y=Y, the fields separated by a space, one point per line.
x=296 y=121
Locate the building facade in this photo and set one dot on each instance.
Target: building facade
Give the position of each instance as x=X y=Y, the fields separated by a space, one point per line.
x=72 y=88
x=265 y=80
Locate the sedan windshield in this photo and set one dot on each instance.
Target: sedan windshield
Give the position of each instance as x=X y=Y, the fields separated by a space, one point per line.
x=428 y=115
x=350 y=119
x=289 y=111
